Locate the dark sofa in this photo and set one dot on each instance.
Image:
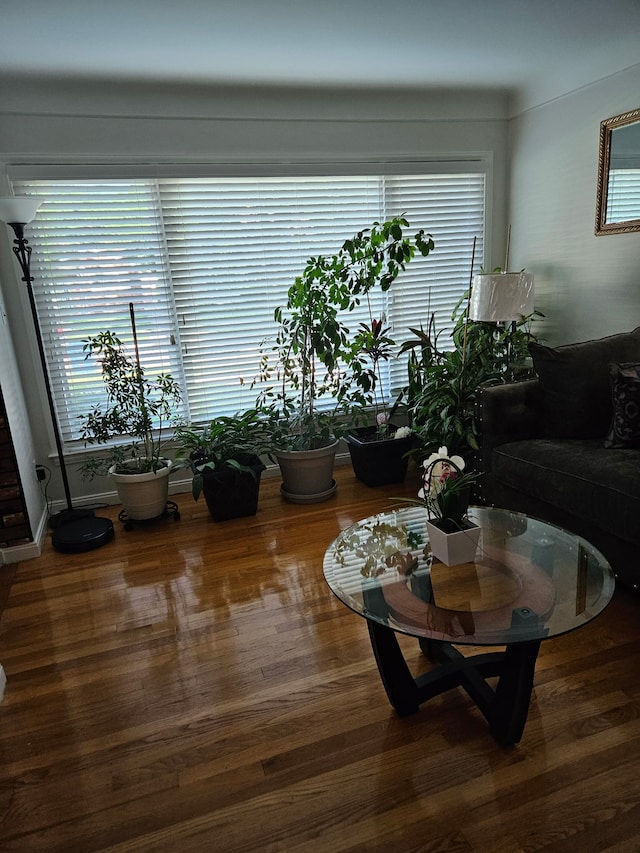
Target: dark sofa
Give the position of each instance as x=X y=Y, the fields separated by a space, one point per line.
x=565 y=447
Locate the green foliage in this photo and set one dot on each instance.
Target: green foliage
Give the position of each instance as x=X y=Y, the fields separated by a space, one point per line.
x=225 y=443
x=443 y=383
x=136 y=407
x=371 y=346
x=312 y=357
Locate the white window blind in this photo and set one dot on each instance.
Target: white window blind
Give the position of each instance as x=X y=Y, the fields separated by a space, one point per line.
x=623 y=196
x=206 y=262
x=96 y=248
x=235 y=246
x=452 y=208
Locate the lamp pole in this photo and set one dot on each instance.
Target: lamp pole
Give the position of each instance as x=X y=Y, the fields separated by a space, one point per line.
x=22 y=251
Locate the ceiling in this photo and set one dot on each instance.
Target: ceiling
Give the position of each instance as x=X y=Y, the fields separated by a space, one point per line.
x=534 y=49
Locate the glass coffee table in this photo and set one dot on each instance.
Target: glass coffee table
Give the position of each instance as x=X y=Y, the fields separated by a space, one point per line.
x=530 y=581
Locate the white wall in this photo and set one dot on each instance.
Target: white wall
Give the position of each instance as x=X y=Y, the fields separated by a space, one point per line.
x=65 y=123
x=587 y=286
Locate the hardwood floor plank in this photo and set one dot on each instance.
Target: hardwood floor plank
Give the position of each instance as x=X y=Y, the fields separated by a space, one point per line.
x=195 y=686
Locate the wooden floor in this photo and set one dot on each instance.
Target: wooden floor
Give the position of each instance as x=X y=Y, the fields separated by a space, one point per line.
x=195 y=687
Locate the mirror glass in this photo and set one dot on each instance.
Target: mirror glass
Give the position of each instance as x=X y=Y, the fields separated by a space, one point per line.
x=618 y=199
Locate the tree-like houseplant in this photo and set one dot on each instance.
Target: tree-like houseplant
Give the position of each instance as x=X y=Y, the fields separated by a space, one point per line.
x=141 y=411
x=225 y=459
x=311 y=377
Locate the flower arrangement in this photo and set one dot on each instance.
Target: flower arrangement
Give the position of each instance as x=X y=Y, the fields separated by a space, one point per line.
x=446 y=490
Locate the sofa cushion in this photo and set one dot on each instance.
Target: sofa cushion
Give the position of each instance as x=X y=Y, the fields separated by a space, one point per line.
x=576 y=385
x=580 y=477
x=625 y=394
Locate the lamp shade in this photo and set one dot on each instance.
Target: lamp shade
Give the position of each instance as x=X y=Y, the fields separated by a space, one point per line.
x=18 y=208
x=500 y=297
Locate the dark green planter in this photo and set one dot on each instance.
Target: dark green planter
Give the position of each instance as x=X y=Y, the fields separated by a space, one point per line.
x=375 y=462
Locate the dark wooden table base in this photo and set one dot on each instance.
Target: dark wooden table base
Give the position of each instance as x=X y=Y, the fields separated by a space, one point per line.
x=505 y=707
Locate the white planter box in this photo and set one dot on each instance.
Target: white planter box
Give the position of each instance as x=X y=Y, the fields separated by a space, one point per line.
x=454 y=548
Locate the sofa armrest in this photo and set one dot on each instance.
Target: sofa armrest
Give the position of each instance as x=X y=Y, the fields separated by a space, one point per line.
x=510 y=412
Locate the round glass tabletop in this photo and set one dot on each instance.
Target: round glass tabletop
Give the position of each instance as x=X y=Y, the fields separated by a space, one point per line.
x=530 y=580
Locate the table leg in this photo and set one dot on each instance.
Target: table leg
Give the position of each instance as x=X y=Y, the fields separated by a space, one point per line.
x=504 y=708
x=510 y=706
x=400 y=685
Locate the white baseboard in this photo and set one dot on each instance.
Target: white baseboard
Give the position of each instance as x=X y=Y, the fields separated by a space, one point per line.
x=28 y=550
x=18 y=553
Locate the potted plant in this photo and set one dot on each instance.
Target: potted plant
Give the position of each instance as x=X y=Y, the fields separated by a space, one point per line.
x=379 y=451
x=224 y=457
x=307 y=384
x=444 y=379
x=446 y=493
x=139 y=409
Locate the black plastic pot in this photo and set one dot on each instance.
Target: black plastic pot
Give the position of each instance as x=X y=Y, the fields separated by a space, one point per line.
x=378 y=462
x=230 y=493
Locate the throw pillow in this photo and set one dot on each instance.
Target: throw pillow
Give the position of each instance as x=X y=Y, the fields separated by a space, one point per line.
x=625 y=392
x=576 y=385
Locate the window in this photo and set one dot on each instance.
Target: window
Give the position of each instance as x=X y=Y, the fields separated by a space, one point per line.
x=205 y=261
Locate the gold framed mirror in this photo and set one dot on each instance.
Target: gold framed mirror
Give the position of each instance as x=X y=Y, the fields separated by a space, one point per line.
x=618 y=194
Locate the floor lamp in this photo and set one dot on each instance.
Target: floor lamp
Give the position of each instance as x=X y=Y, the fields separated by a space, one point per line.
x=74 y=530
x=501 y=297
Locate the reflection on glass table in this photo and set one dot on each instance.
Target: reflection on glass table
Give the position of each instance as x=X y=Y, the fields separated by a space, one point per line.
x=530 y=581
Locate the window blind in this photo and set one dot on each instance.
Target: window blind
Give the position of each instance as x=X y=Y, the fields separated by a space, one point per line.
x=452 y=208
x=97 y=247
x=206 y=261
x=235 y=247
x=623 y=197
